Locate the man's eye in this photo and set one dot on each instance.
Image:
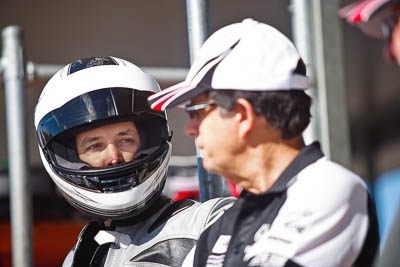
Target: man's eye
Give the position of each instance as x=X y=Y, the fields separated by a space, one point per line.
x=93 y=147
x=127 y=141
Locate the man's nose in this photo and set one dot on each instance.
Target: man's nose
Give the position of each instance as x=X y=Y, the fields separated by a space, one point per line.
x=192 y=127
x=114 y=156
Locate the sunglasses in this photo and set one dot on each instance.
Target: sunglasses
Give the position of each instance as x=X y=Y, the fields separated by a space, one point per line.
x=198 y=110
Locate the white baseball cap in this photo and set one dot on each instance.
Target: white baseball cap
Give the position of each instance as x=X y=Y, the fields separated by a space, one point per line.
x=244 y=56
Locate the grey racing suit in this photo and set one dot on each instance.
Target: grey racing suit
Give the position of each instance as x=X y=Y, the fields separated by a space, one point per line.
x=162 y=236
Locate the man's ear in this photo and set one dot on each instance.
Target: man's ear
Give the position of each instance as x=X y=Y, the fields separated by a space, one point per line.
x=245 y=115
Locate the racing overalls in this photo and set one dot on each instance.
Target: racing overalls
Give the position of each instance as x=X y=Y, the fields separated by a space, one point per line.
x=161 y=236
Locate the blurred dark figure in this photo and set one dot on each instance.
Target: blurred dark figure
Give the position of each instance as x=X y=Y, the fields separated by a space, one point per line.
x=380 y=19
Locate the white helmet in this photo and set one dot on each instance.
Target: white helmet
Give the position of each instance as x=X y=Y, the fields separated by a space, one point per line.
x=88 y=94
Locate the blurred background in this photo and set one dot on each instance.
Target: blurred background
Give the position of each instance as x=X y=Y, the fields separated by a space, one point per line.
x=154 y=34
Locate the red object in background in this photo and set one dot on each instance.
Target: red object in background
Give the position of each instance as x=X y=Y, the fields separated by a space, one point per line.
x=51 y=242
x=195 y=194
x=192 y=194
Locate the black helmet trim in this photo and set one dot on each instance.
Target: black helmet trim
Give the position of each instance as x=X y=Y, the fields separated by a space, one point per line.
x=93 y=106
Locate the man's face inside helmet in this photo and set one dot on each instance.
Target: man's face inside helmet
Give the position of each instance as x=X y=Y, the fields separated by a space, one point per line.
x=109 y=144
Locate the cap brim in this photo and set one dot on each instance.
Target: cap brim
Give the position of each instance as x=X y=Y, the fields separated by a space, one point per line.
x=184 y=91
x=368 y=15
x=181 y=93
x=362 y=11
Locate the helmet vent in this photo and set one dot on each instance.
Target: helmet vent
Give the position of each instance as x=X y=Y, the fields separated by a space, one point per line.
x=86 y=63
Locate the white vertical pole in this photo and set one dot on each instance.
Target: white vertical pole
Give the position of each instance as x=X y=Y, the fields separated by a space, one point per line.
x=198 y=25
x=302 y=37
x=197 y=12
x=331 y=81
x=20 y=195
x=318 y=36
